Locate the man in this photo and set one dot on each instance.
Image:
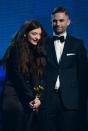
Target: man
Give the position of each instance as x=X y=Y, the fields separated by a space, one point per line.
x=66 y=76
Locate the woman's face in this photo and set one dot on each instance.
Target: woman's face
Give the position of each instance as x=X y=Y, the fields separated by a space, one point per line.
x=34 y=36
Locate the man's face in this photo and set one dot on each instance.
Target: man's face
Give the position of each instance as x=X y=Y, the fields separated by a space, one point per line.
x=60 y=22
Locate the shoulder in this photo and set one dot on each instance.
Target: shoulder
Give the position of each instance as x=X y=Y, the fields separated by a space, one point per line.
x=9 y=52
x=74 y=39
x=48 y=40
x=79 y=44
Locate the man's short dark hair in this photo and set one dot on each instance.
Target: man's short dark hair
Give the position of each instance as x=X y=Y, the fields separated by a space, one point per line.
x=60 y=9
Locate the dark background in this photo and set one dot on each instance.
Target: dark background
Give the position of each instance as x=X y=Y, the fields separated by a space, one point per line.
x=14 y=12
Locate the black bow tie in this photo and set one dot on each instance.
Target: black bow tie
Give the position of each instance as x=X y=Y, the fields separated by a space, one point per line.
x=61 y=38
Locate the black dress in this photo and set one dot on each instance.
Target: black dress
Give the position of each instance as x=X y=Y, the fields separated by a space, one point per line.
x=18 y=91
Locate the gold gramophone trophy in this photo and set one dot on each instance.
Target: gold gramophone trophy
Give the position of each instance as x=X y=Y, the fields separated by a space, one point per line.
x=38 y=90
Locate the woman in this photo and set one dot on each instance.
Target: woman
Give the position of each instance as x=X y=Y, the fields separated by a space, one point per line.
x=25 y=63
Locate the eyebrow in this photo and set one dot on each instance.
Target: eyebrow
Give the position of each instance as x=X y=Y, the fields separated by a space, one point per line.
x=58 y=20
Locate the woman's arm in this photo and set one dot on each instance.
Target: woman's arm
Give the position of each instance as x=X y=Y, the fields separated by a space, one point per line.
x=24 y=92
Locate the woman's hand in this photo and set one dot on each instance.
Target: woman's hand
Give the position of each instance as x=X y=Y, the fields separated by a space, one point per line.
x=35 y=104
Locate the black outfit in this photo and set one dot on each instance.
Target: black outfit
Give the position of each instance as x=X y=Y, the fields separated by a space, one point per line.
x=12 y=109
x=19 y=90
x=65 y=106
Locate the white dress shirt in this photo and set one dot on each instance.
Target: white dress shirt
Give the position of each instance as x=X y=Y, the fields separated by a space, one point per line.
x=59 y=50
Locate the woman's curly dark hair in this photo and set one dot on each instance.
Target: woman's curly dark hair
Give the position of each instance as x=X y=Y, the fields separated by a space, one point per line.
x=24 y=58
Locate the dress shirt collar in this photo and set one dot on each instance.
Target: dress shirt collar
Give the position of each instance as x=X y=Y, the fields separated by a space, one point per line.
x=64 y=34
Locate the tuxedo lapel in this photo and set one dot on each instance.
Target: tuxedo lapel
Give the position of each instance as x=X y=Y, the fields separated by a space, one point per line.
x=52 y=53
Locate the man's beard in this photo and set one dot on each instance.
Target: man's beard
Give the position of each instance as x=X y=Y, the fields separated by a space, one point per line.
x=57 y=30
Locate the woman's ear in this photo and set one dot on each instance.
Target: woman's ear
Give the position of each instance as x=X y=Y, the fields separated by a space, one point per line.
x=25 y=35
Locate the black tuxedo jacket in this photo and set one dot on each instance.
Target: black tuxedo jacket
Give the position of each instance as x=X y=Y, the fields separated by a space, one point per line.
x=72 y=70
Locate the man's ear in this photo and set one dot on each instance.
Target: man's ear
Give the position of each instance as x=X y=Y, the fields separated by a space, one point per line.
x=69 y=21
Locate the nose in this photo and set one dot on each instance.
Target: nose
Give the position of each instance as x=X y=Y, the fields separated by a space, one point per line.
x=58 y=23
x=38 y=37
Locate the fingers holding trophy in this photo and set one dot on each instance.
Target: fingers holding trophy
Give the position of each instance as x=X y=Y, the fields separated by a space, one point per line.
x=37 y=101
